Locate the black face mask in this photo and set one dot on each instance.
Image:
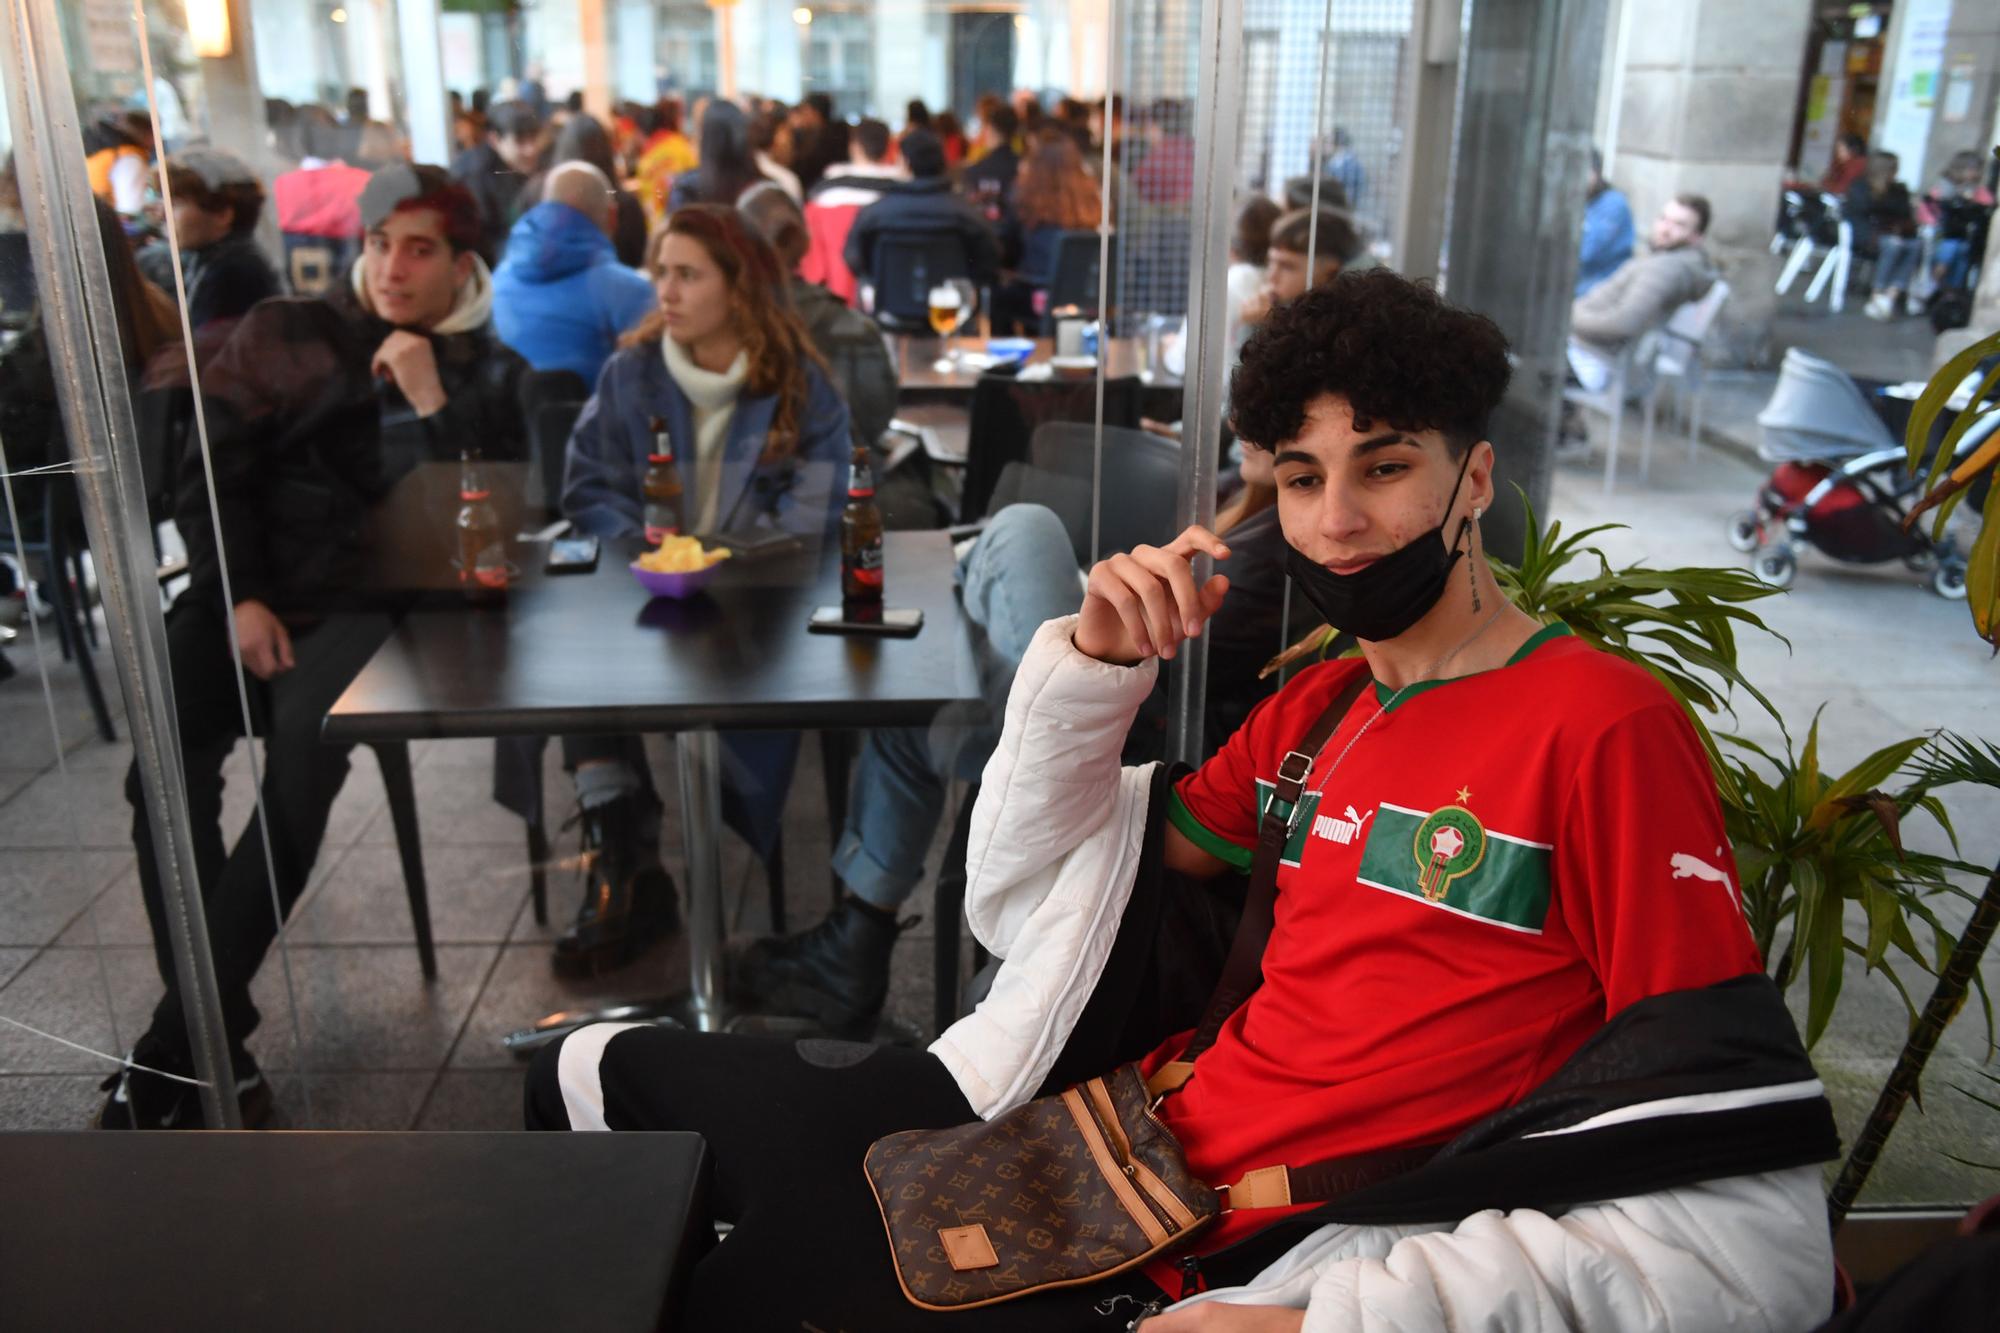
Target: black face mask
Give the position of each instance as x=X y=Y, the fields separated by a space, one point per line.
x=1392 y=594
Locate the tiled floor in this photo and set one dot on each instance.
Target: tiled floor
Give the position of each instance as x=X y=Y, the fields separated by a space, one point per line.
x=374 y=1046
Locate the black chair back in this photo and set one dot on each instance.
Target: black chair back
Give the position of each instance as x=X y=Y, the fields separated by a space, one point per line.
x=552 y=400
x=1139 y=483
x=1006 y=412
x=1068 y=498
x=906 y=265
x=1078 y=266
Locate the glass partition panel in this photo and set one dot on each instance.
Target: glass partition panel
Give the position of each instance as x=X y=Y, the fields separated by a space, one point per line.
x=87 y=951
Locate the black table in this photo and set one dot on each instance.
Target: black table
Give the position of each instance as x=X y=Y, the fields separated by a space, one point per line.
x=339 y=1231
x=589 y=654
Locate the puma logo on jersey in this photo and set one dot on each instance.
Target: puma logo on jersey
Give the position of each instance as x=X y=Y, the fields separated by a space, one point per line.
x=1693 y=867
x=1343 y=831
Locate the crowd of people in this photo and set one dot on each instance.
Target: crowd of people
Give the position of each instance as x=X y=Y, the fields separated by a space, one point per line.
x=1896 y=234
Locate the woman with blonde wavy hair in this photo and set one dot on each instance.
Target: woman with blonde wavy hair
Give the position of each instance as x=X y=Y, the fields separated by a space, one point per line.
x=723 y=364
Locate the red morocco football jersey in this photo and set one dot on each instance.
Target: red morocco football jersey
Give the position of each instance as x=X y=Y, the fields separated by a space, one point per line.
x=1499 y=864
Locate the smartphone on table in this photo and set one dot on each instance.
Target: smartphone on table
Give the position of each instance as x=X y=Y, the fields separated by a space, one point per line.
x=851 y=619
x=572 y=555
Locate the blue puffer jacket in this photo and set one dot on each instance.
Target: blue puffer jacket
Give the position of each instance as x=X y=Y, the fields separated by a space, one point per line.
x=607 y=455
x=560 y=297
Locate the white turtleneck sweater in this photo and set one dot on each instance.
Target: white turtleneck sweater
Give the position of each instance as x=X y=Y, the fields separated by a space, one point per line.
x=713 y=397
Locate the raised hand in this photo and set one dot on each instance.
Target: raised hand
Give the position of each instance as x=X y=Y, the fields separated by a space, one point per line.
x=1144 y=601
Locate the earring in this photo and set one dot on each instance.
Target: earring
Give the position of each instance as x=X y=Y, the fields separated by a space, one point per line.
x=1476 y=511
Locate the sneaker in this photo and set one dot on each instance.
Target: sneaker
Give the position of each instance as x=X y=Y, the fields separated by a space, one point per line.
x=836 y=973
x=628 y=903
x=142 y=1099
x=1879 y=306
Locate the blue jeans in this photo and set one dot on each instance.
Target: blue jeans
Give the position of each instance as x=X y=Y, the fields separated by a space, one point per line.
x=1951 y=261
x=1021 y=572
x=1895 y=262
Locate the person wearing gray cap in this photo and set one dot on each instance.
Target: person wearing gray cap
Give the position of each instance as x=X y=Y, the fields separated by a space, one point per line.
x=322 y=415
x=217 y=201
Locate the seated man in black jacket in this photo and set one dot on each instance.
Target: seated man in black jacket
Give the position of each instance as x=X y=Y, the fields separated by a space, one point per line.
x=924 y=203
x=316 y=409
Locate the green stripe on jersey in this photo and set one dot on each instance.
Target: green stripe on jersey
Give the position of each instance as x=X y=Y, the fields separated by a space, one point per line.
x=1198 y=833
x=1448 y=859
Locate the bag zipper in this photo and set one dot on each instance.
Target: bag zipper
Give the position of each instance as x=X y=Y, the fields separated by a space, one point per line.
x=1120 y=1149
x=1129 y=1188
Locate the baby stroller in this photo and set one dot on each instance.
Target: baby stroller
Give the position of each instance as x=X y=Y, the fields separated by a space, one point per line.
x=1841 y=483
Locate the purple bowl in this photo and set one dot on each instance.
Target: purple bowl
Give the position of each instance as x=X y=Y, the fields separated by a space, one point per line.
x=673 y=585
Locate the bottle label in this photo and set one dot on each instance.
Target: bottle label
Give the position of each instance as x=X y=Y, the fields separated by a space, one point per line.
x=864 y=566
x=489 y=567
x=661 y=523
x=860 y=483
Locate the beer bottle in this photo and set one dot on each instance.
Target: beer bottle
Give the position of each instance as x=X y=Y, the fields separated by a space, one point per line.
x=482 y=550
x=861 y=537
x=665 y=499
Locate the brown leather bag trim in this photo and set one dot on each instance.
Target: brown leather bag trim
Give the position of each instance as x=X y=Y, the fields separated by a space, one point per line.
x=1107 y=1110
x=1136 y=1261
x=1108 y=1166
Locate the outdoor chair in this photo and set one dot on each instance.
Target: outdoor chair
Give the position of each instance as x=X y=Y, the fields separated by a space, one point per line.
x=904 y=268
x=1674 y=352
x=553 y=400
x=1006 y=412
x=59 y=550
x=1678 y=356
x=1078 y=270
x=1816 y=230
x=1138 y=483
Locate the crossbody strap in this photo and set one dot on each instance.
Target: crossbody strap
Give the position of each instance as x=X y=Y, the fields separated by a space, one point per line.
x=1243 y=971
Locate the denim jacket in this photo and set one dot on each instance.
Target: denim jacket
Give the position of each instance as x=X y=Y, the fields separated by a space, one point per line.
x=606 y=462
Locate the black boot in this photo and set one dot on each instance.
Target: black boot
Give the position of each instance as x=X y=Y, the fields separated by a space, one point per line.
x=628 y=898
x=836 y=974
x=142 y=1099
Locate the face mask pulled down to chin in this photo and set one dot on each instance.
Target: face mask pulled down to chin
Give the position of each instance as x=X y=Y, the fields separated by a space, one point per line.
x=1386 y=598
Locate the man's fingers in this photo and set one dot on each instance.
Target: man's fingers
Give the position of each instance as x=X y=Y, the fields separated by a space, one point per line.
x=1121 y=599
x=1198 y=540
x=1174 y=572
x=1163 y=623
x=1212 y=593
x=282 y=645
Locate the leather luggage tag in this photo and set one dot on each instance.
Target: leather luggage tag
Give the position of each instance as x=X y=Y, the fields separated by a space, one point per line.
x=968 y=1248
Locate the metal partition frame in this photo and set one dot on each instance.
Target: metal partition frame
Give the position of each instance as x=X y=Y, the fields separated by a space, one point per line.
x=1218 y=130
x=75 y=289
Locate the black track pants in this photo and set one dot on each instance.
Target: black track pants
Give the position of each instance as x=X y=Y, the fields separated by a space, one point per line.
x=787 y=1123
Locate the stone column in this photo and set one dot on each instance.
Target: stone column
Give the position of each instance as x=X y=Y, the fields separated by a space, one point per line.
x=1710 y=91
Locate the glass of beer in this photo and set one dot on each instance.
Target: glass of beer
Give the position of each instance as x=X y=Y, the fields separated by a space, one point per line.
x=952 y=304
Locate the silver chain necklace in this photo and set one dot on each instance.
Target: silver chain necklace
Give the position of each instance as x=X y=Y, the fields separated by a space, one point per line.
x=1425 y=675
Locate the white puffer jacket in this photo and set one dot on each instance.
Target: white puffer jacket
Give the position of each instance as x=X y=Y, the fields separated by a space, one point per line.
x=1055 y=847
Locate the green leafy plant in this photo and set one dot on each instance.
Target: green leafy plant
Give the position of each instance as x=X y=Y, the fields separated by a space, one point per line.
x=1808 y=844
x=1987 y=1101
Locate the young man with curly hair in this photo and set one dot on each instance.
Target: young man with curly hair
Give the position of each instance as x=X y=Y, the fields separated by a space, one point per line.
x=1507 y=943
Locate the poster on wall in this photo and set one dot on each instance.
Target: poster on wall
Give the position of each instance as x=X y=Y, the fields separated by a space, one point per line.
x=1824 y=96
x=1905 y=122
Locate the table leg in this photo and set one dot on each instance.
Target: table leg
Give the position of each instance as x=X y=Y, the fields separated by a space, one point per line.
x=699 y=754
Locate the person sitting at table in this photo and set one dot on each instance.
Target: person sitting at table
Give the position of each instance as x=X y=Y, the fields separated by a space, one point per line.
x=1509 y=1061
x=924 y=203
x=848 y=341
x=560 y=297
x=762 y=441
x=1019 y=572
x=1052 y=196
x=316 y=408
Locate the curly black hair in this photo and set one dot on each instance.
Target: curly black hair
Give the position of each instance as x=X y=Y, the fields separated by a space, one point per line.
x=1391 y=347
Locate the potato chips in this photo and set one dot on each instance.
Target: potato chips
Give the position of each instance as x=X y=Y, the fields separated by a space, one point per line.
x=680 y=555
